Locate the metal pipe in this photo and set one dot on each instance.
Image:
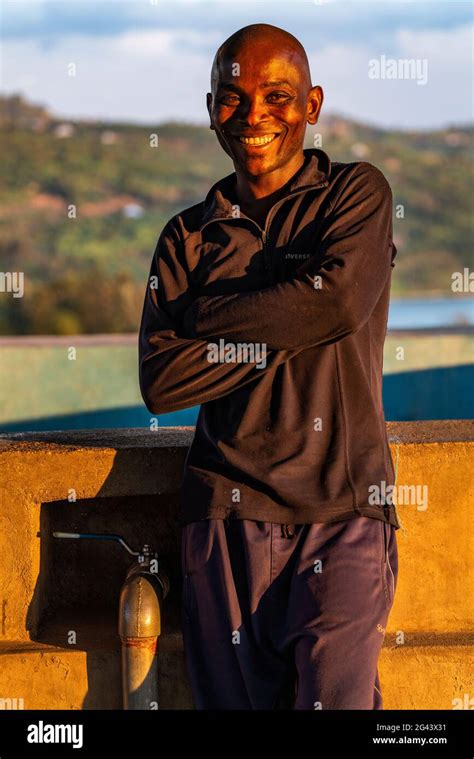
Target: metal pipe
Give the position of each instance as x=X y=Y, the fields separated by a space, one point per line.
x=141 y=597
x=97 y=536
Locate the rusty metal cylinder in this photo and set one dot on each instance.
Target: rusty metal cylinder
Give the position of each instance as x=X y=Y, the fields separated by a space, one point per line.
x=139 y=629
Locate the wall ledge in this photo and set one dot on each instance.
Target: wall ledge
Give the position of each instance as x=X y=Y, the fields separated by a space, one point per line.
x=445 y=431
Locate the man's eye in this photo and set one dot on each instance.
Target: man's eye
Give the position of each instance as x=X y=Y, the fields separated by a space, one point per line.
x=229 y=99
x=279 y=97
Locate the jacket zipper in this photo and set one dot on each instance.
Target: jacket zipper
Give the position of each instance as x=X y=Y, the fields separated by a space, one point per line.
x=266 y=264
x=263 y=234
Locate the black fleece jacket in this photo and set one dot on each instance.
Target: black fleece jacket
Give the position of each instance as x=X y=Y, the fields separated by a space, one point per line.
x=278 y=333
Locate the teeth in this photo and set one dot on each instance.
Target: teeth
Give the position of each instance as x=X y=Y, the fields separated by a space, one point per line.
x=258 y=140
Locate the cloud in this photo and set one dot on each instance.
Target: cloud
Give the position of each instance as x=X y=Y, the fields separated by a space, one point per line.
x=155 y=74
x=450 y=49
x=145 y=78
x=164 y=42
x=342 y=70
x=34 y=19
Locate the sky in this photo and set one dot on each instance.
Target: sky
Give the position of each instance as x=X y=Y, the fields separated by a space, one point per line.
x=148 y=61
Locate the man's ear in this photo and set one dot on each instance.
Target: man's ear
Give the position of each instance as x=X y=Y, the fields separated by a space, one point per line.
x=209 y=108
x=314 y=104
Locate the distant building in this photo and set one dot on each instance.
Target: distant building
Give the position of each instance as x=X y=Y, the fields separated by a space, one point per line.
x=108 y=137
x=360 y=149
x=456 y=138
x=392 y=163
x=133 y=210
x=64 y=131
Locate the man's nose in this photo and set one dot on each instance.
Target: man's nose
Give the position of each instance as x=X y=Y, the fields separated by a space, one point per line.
x=254 y=110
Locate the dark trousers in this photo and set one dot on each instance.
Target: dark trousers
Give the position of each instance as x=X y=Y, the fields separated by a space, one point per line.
x=286 y=616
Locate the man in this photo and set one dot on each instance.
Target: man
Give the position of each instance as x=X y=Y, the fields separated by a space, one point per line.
x=289 y=561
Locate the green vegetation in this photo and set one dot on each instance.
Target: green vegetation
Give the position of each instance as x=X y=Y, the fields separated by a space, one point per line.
x=88 y=274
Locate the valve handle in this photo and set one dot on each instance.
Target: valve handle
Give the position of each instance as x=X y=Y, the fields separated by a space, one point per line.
x=96 y=536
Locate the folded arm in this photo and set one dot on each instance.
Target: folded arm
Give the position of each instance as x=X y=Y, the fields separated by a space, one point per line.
x=175 y=371
x=331 y=295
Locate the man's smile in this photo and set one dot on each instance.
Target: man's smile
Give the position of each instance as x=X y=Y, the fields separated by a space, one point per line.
x=256 y=140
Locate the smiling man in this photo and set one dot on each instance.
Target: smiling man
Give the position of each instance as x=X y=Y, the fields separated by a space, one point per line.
x=289 y=561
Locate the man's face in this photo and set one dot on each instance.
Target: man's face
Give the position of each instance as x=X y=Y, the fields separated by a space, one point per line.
x=260 y=115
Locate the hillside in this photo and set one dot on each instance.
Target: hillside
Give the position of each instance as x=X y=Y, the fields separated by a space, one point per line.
x=87 y=274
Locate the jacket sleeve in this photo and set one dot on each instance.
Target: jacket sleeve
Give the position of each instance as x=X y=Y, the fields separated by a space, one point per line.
x=332 y=294
x=175 y=371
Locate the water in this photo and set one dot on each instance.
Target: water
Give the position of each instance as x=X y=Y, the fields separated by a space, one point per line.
x=419 y=313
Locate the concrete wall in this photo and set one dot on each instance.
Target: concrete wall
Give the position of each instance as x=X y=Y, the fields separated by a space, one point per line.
x=127 y=481
x=426 y=376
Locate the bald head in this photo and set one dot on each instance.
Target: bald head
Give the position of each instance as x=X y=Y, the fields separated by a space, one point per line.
x=261 y=100
x=270 y=39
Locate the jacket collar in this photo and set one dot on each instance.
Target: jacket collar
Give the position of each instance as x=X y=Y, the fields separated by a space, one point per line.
x=314 y=173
